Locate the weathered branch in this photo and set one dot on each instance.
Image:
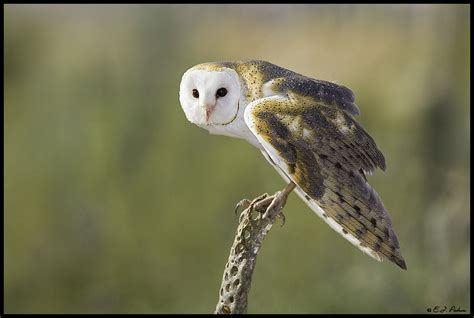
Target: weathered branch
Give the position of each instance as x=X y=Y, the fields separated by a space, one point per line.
x=253 y=227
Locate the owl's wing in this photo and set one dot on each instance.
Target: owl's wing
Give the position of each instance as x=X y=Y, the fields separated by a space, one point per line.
x=323 y=92
x=325 y=152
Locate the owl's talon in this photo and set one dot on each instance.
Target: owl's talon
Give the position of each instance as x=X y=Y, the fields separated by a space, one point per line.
x=245 y=203
x=278 y=202
x=260 y=198
x=256 y=203
x=261 y=206
x=282 y=217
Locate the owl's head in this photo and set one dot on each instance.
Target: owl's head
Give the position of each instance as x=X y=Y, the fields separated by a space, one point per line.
x=209 y=95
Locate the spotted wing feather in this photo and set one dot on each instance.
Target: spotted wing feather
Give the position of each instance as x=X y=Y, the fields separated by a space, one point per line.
x=325 y=152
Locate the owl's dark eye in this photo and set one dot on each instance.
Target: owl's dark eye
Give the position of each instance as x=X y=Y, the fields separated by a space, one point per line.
x=221 y=92
x=195 y=93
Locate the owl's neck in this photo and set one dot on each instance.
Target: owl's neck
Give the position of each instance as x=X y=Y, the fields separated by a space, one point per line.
x=237 y=128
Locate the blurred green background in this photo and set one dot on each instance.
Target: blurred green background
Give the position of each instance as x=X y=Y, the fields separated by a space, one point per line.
x=115 y=203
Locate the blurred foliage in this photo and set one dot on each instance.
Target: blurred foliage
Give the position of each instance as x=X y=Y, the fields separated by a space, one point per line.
x=115 y=203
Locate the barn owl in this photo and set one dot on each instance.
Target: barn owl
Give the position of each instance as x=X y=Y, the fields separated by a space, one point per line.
x=305 y=128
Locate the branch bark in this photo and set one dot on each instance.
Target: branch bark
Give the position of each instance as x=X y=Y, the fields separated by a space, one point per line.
x=253 y=226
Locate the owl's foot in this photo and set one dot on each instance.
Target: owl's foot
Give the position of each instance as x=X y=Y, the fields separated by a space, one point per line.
x=246 y=203
x=271 y=206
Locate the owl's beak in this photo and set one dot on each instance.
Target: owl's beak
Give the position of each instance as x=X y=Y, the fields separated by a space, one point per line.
x=208 y=109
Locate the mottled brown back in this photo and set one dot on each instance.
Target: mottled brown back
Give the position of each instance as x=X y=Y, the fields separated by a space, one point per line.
x=327 y=154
